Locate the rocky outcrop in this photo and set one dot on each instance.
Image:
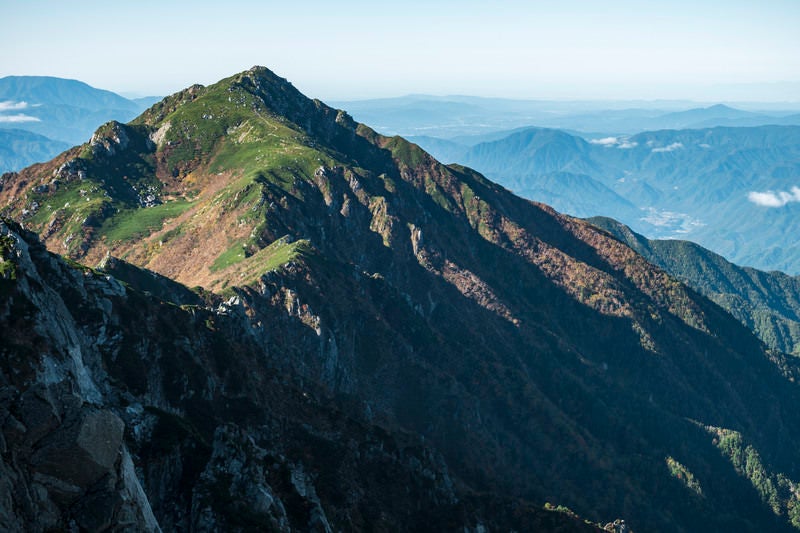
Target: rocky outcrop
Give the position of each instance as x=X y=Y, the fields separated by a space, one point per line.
x=120 y=411
x=62 y=451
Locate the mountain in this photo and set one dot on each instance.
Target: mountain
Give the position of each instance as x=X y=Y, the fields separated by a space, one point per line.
x=381 y=342
x=20 y=148
x=144 y=422
x=445 y=116
x=532 y=150
x=714 y=115
x=451 y=117
x=554 y=188
x=720 y=187
x=766 y=302
x=60 y=109
x=60 y=91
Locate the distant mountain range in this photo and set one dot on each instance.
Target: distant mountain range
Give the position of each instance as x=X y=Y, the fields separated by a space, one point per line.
x=450 y=117
x=729 y=189
x=63 y=112
x=344 y=334
x=20 y=148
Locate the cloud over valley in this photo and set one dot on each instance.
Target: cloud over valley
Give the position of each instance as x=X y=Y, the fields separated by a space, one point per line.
x=774 y=198
x=10 y=105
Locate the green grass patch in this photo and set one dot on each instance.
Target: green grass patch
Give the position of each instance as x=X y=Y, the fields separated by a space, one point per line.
x=408 y=153
x=136 y=223
x=269 y=258
x=79 y=197
x=229 y=257
x=280 y=252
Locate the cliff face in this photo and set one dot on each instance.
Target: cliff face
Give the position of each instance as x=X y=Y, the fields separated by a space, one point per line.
x=408 y=339
x=122 y=411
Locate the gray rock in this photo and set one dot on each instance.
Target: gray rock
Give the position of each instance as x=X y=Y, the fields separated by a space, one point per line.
x=38 y=413
x=84 y=451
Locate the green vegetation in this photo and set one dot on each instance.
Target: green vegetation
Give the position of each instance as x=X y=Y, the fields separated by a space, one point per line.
x=272 y=257
x=680 y=472
x=136 y=223
x=86 y=270
x=276 y=158
x=116 y=173
x=280 y=252
x=409 y=153
x=73 y=201
x=231 y=256
x=8 y=268
x=563 y=509
x=768 y=303
x=777 y=490
x=230 y=127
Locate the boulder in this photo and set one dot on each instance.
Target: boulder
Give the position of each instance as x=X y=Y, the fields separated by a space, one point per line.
x=83 y=452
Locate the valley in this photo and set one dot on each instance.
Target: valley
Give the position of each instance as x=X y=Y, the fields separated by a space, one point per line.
x=728 y=189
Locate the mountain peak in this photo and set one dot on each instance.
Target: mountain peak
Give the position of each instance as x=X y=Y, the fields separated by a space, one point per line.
x=263 y=73
x=262 y=80
x=418 y=295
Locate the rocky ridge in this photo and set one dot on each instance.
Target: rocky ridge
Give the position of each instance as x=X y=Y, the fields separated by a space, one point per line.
x=537 y=357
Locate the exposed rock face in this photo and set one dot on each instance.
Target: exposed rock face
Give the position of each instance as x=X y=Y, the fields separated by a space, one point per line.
x=108 y=139
x=120 y=411
x=64 y=459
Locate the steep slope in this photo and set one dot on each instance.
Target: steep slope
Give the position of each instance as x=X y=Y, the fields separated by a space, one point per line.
x=766 y=302
x=122 y=410
x=540 y=356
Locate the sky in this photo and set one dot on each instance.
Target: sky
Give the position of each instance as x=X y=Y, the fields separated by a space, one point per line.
x=703 y=50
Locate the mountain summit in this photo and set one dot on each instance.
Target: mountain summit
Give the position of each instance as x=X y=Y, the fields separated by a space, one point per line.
x=524 y=356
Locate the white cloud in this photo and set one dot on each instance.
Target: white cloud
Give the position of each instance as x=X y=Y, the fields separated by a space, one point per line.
x=605 y=141
x=18 y=118
x=671 y=148
x=671 y=221
x=774 y=198
x=10 y=105
x=619 y=142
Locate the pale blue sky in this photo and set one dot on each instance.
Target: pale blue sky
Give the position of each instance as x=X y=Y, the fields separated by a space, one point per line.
x=701 y=49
